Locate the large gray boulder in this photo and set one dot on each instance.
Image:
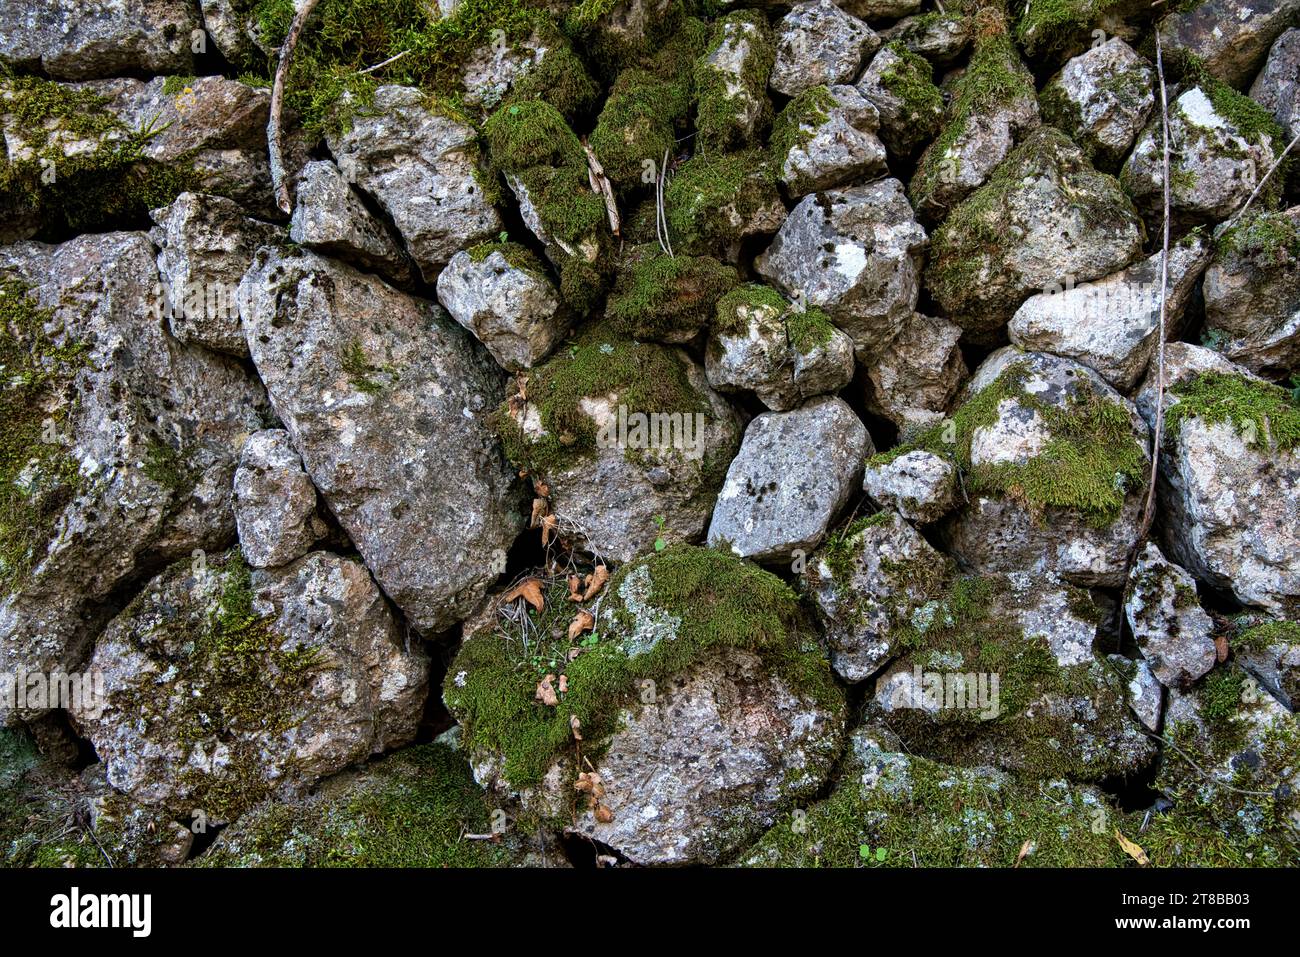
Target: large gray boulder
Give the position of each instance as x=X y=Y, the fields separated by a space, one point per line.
x=223 y=687
x=1229 y=38
x=913 y=382
x=832 y=139
x=1102 y=99
x=367 y=380
x=855 y=253
x=82 y=41
x=1112 y=325
x=792 y=477
x=205 y=245
x=1277 y=85
x=817 y=43
x=1044 y=214
x=121 y=442
x=1229 y=477
x=422 y=167
x=732 y=81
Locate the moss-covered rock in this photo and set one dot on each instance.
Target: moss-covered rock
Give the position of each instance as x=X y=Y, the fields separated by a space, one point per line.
x=689 y=643
x=666 y=298
x=715 y=201
x=731 y=82
x=413 y=808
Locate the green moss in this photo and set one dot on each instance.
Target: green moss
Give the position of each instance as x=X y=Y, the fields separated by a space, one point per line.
x=521 y=257
x=1089 y=465
x=646 y=377
x=911 y=79
x=796 y=124
x=1265 y=415
x=561 y=79
x=1272 y=238
x=637 y=126
x=709 y=193
x=167 y=466
x=93 y=189
x=1265 y=636
x=412 y=809
x=667 y=298
x=38 y=474
x=1053 y=26
x=361 y=372
x=721 y=119
x=732 y=309
x=917 y=813
x=808 y=329
x=611 y=50
x=712 y=601
x=994 y=78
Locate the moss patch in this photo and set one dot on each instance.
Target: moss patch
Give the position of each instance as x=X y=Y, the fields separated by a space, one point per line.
x=667 y=298
x=1053 y=26
x=705 y=600
x=720 y=120
x=911 y=79
x=709 y=193
x=1265 y=415
x=796 y=124
x=412 y=809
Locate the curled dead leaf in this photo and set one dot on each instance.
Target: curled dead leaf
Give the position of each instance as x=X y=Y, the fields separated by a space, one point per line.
x=1221 y=648
x=1026 y=849
x=1132 y=850
x=546 y=692
x=603 y=814
x=589 y=783
x=530 y=590
x=575 y=725
x=549 y=526
x=595 y=582
x=564 y=684
x=575 y=588
x=583 y=621
x=540 y=508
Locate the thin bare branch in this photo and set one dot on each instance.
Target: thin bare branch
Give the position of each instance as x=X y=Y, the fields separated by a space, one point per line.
x=600 y=184
x=1262 y=183
x=275 y=125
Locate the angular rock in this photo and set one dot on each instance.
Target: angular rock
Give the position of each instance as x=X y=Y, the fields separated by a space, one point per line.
x=866 y=582
x=939 y=37
x=1044 y=214
x=1252 y=294
x=913 y=382
x=1270 y=652
x=817 y=43
x=368 y=386
x=900 y=85
x=792 y=477
x=731 y=80
x=1113 y=325
x=507 y=301
x=919 y=485
x=1056 y=710
x=833 y=140
x=275 y=502
x=1057 y=463
x=123 y=442
x=715 y=202
x=232 y=31
x=422 y=168
x=1168 y=622
x=745 y=683
x=1229 y=38
x=991 y=107
x=759 y=343
x=1277 y=86
x=82 y=41
x=329 y=218
x=222 y=688
x=1217 y=168
x=856 y=254
x=1146 y=694
x=1229 y=477
x=1102 y=99
x=629 y=439
x=205 y=245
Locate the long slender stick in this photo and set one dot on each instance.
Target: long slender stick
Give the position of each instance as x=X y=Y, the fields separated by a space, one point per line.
x=274 y=131
x=1263 y=181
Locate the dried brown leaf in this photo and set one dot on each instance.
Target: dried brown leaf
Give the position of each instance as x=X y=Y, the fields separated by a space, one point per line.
x=583 y=621
x=595 y=582
x=575 y=725
x=546 y=692
x=1131 y=849
x=530 y=590
x=1221 y=648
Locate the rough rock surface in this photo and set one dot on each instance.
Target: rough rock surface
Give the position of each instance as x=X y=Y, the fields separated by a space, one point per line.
x=507 y=301
x=835 y=147
x=219 y=689
x=1252 y=294
x=818 y=43
x=919 y=485
x=862 y=584
x=735 y=70
x=275 y=502
x=1113 y=325
x=1277 y=87
x=913 y=382
x=1102 y=99
x=329 y=218
x=80 y=41
x=367 y=386
x=889 y=83
x=1168 y=622
x=133 y=441
x=1218 y=167
x=1229 y=37
x=793 y=475
x=422 y=168
x=1228 y=489
x=999 y=528
x=855 y=253
x=205 y=245
x=1045 y=214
